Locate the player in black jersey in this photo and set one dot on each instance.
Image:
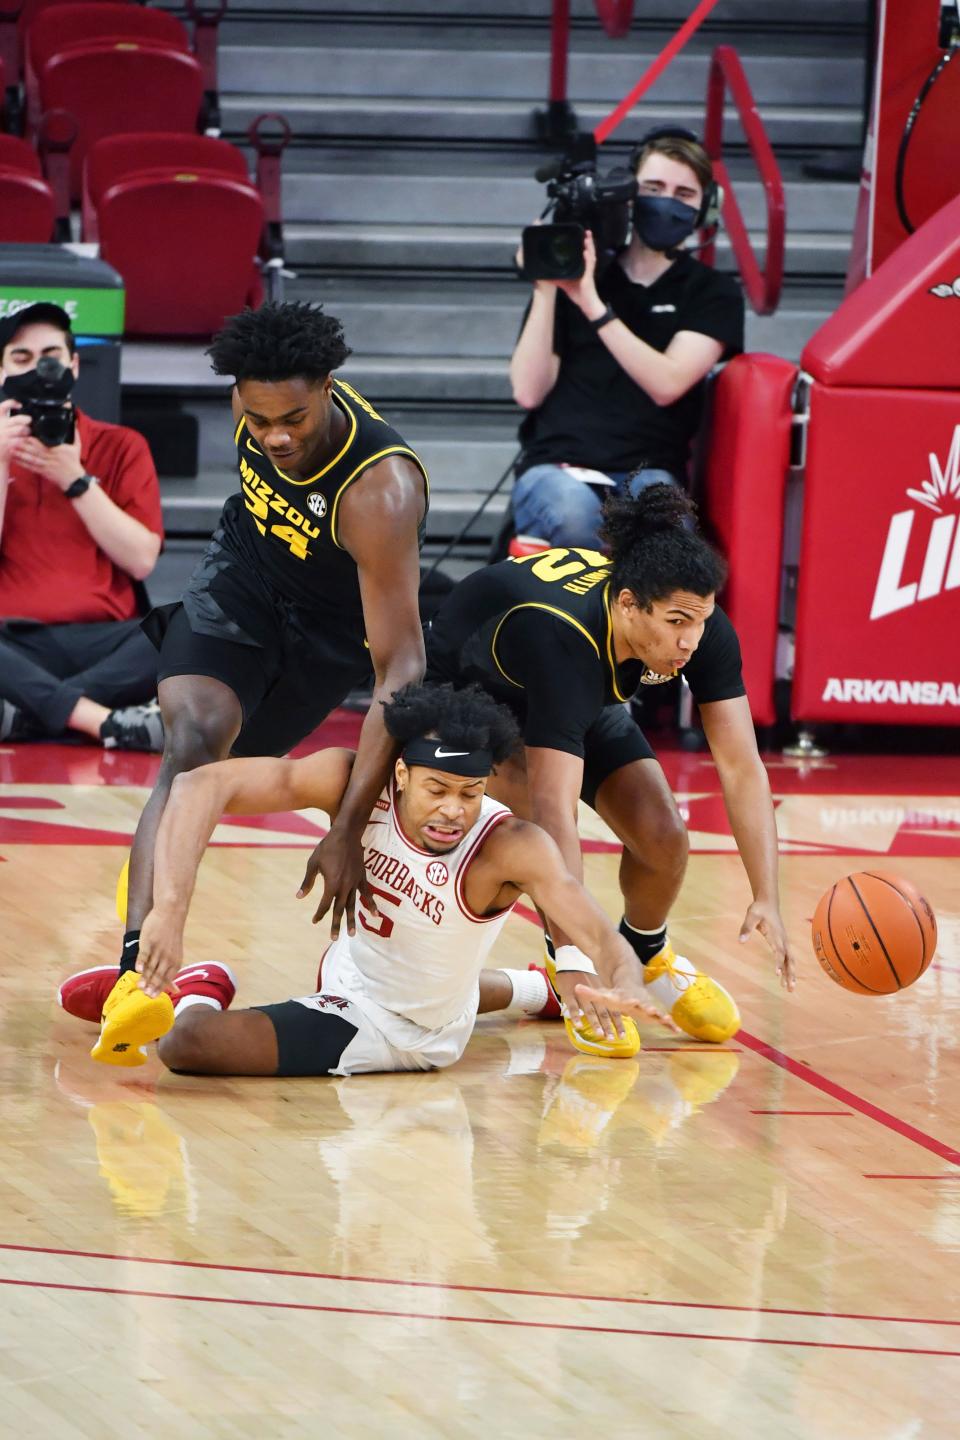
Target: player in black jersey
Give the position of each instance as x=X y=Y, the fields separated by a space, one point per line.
x=310 y=579
x=566 y=636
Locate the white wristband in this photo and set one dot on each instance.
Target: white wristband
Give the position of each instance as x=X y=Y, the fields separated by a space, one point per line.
x=569 y=957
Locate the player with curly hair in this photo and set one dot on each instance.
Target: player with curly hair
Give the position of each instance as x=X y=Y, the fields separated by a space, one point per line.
x=402 y=990
x=310 y=580
x=565 y=637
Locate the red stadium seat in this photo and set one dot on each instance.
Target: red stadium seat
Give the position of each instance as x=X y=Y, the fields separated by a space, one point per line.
x=16 y=154
x=119 y=157
x=27 y=211
x=16 y=17
x=65 y=27
x=32 y=8
x=198 y=267
x=122 y=88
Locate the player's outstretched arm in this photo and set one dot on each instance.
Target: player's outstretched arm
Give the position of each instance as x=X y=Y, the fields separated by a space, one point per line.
x=530 y=860
x=198 y=799
x=378 y=525
x=728 y=727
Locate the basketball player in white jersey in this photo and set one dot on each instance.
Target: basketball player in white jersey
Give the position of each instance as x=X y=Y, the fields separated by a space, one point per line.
x=401 y=989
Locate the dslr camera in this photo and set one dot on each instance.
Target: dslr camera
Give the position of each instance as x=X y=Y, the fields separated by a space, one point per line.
x=579 y=199
x=43 y=394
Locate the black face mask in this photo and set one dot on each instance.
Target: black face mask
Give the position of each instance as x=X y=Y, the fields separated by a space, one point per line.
x=662 y=222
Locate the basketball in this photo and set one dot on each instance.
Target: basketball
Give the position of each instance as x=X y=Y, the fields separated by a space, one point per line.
x=874 y=934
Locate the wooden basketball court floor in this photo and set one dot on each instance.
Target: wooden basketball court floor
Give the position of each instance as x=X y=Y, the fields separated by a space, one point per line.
x=759 y=1240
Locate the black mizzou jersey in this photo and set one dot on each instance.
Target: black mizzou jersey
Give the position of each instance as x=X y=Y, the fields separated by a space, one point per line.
x=536 y=632
x=288 y=528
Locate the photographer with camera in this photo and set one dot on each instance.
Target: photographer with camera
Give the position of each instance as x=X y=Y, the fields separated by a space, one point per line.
x=622 y=329
x=80 y=530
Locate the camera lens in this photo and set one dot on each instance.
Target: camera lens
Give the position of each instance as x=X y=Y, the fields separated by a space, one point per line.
x=563 y=251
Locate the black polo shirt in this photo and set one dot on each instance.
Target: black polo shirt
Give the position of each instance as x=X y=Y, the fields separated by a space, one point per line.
x=595 y=415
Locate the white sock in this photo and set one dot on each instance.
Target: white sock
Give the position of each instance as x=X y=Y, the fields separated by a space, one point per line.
x=530 y=992
x=667 y=988
x=186 y=1000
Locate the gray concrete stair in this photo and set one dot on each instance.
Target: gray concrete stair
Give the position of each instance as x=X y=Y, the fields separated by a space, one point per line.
x=451 y=121
x=477 y=188
x=388 y=61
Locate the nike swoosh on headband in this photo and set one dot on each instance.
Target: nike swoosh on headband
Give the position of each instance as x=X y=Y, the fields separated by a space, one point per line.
x=449 y=754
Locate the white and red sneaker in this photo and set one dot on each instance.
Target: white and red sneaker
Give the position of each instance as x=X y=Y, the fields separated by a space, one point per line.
x=83 y=994
x=210 y=980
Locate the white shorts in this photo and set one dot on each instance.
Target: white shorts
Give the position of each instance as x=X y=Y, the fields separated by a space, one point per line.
x=383 y=1040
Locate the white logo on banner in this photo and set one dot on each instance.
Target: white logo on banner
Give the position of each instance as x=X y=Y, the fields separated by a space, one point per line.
x=941 y=564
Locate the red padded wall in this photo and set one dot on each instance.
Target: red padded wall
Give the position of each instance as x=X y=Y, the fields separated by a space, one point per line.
x=745 y=484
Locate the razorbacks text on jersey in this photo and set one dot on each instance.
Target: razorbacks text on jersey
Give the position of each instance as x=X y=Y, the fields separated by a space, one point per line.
x=420 y=959
x=289 y=527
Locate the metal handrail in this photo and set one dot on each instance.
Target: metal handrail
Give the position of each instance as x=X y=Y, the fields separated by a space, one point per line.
x=653 y=71
x=762 y=286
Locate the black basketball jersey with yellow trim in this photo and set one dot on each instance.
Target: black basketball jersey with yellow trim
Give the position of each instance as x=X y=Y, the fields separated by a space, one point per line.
x=288 y=528
x=502 y=626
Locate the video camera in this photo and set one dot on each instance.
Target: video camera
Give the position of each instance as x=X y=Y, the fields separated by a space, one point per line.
x=579 y=199
x=43 y=394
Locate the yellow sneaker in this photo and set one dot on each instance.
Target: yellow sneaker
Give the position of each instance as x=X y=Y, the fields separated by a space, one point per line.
x=131 y=1019
x=699 y=1005
x=583 y=1037
x=123 y=882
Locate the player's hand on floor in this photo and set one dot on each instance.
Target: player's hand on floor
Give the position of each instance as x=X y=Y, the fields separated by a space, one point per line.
x=583 y=1003
x=617 y=1003
x=339 y=860
x=161 y=952
x=766 y=918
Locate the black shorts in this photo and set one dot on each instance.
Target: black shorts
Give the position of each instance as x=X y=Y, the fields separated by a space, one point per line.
x=287 y=669
x=613 y=740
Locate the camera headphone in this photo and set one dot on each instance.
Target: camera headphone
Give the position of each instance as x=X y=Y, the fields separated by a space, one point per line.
x=708 y=216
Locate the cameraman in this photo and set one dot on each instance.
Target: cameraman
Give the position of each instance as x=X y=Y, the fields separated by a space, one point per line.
x=80 y=529
x=610 y=366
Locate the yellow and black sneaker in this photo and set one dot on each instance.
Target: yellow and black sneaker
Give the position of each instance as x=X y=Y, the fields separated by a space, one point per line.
x=131 y=1020
x=699 y=1005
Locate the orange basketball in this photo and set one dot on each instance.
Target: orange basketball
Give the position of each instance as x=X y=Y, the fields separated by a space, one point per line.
x=874 y=934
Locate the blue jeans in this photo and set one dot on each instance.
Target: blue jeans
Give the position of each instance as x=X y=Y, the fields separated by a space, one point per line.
x=550 y=503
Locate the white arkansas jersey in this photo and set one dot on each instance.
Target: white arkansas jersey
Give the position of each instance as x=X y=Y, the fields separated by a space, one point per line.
x=421 y=957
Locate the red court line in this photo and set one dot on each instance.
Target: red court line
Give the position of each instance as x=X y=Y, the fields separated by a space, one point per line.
x=846 y=1097
x=466 y=1289
x=473 y=1319
x=527 y=914
x=867 y=1176
x=802 y=1112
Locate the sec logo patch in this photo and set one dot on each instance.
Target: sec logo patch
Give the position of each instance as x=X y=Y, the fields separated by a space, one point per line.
x=317 y=504
x=437 y=873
